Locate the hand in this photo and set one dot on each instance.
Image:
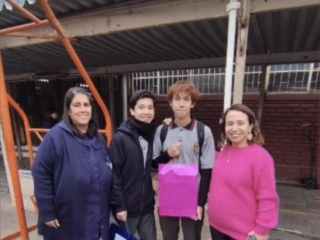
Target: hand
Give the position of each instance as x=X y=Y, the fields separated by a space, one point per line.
x=54 y=224
x=175 y=150
x=258 y=237
x=122 y=216
x=167 y=121
x=199 y=213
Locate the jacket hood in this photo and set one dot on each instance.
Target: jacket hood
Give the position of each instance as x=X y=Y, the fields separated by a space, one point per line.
x=127 y=129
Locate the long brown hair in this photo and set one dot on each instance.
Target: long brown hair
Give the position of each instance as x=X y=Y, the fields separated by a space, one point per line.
x=257 y=136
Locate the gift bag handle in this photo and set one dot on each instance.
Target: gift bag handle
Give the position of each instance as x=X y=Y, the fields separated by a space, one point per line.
x=128 y=230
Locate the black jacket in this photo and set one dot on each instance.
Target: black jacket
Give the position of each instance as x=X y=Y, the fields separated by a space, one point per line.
x=132 y=183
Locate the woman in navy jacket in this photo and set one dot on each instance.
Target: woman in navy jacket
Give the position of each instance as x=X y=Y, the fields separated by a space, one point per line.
x=72 y=175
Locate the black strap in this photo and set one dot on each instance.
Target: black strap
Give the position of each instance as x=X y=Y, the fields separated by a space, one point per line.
x=163 y=133
x=200 y=133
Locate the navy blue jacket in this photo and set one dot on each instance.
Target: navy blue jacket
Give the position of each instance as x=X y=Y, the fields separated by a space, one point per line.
x=132 y=184
x=62 y=172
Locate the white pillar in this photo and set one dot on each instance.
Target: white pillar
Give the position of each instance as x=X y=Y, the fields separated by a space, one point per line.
x=232 y=9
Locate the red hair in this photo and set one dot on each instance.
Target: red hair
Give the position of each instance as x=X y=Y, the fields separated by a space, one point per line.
x=183 y=86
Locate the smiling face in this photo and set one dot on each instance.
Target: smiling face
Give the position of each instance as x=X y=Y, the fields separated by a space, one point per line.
x=181 y=105
x=143 y=110
x=80 y=111
x=237 y=128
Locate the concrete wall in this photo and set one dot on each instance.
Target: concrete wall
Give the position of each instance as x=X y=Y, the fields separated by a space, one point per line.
x=282 y=118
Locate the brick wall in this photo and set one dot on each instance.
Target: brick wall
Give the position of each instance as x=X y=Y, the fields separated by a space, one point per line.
x=283 y=116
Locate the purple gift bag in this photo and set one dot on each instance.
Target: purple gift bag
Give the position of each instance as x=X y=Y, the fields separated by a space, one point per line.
x=178 y=190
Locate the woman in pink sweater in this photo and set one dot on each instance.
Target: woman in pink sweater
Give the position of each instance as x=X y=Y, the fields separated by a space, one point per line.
x=243 y=199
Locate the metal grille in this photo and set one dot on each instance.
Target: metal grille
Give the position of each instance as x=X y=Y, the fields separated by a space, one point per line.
x=284 y=78
x=289 y=77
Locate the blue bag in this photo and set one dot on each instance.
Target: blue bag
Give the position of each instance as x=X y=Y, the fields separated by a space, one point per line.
x=116 y=233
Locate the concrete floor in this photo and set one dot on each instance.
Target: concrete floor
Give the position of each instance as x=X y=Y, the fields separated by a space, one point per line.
x=299 y=211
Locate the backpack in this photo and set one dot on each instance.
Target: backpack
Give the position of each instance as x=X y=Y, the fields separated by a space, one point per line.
x=200 y=133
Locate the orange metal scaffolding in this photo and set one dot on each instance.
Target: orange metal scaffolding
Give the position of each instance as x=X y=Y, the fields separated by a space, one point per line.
x=5 y=100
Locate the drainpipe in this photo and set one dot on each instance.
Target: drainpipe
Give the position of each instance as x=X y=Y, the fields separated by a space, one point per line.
x=232 y=9
x=124 y=97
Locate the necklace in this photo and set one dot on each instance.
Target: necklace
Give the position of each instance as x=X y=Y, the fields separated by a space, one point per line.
x=229 y=157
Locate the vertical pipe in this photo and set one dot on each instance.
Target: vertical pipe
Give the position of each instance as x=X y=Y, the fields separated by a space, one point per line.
x=26 y=126
x=15 y=128
x=125 y=97
x=110 y=79
x=9 y=144
x=6 y=164
x=232 y=9
x=262 y=93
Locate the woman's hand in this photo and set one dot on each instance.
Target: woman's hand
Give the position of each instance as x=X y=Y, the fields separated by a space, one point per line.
x=54 y=224
x=257 y=237
x=167 y=121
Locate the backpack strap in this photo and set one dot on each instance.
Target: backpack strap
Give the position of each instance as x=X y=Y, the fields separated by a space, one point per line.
x=200 y=133
x=163 y=134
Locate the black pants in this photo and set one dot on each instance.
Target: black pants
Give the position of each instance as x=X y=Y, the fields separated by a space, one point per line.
x=216 y=235
x=145 y=226
x=170 y=227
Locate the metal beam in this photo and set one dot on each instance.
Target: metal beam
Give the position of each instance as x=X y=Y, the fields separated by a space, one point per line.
x=146 y=15
x=127 y=18
x=277 y=5
x=283 y=58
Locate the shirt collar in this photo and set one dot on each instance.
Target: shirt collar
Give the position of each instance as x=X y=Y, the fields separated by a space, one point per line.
x=189 y=126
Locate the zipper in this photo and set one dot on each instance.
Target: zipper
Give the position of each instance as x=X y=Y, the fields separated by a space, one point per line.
x=144 y=175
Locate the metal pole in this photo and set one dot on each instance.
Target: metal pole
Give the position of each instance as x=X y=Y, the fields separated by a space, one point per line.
x=242 y=42
x=76 y=60
x=9 y=144
x=232 y=9
x=262 y=93
x=6 y=164
x=26 y=126
x=124 y=97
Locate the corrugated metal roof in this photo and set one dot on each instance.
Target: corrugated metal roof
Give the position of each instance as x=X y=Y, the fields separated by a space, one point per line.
x=10 y=17
x=277 y=32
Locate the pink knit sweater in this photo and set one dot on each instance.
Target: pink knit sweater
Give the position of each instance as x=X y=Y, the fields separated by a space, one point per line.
x=243 y=194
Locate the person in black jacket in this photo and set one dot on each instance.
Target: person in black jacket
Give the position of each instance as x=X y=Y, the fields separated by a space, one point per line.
x=131 y=152
x=50 y=119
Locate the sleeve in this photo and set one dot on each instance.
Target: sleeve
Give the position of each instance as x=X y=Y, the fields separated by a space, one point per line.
x=207 y=160
x=266 y=195
x=117 y=199
x=159 y=156
x=42 y=172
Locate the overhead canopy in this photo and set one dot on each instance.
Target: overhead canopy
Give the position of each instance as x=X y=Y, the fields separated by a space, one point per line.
x=152 y=35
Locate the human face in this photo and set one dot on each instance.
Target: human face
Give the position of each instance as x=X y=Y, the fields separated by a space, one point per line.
x=54 y=115
x=181 y=105
x=237 y=128
x=80 y=111
x=144 y=110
